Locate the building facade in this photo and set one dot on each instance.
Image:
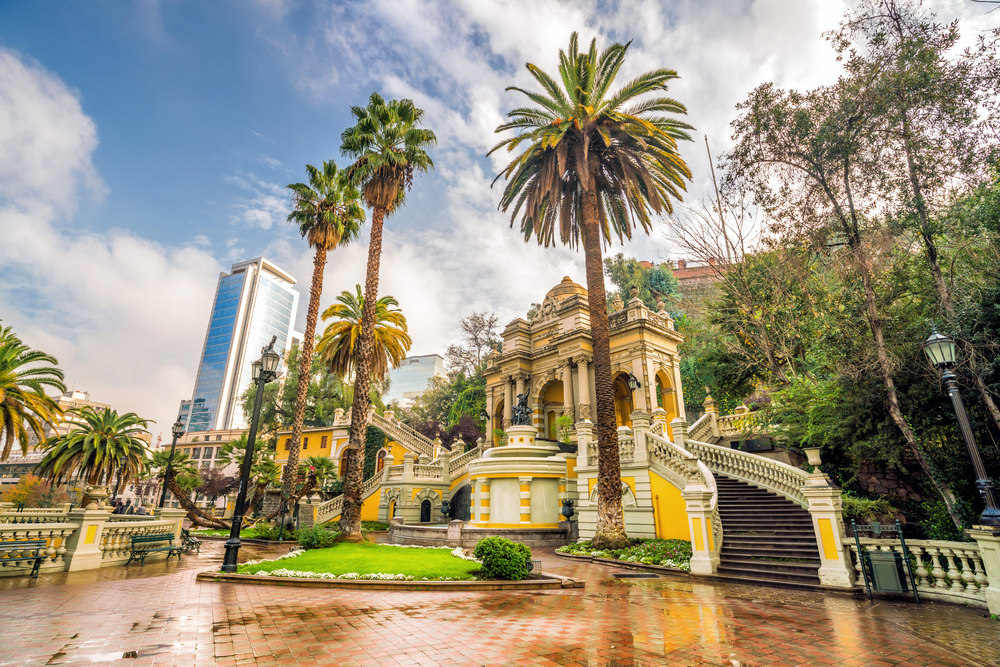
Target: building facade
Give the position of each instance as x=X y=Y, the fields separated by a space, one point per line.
x=253 y=302
x=409 y=381
x=549 y=360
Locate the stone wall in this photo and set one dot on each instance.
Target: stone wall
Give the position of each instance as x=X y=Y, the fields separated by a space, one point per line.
x=880 y=480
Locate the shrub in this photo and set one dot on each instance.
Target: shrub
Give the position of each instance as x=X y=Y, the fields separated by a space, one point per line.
x=374 y=525
x=503 y=558
x=316 y=538
x=864 y=510
x=263 y=532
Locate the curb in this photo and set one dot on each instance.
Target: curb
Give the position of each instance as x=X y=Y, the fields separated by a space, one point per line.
x=552 y=582
x=628 y=565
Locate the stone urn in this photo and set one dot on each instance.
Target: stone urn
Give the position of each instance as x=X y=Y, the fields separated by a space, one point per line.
x=94 y=496
x=813 y=455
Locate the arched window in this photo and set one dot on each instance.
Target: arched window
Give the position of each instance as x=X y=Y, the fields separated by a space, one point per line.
x=381 y=461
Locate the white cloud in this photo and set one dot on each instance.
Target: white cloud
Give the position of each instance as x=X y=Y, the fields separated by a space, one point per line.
x=124 y=316
x=267 y=205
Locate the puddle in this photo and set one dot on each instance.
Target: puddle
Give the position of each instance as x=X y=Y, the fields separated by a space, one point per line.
x=635 y=575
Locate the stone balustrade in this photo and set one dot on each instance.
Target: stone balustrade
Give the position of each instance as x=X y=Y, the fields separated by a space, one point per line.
x=394 y=472
x=773 y=475
x=945 y=571
x=55 y=534
x=403 y=434
x=736 y=425
x=458 y=465
x=33 y=514
x=626 y=444
x=427 y=471
x=116 y=538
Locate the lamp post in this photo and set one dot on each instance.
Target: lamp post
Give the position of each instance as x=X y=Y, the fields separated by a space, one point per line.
x=940 y=350
x=633 y=382
x=264 y=370
x=177 y=430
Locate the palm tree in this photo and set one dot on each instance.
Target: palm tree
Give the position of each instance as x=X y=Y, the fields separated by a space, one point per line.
x=339 y=345
x=328 y=216
x=387 y=148
x=100 y=444
x=322 y=467
x=24 y=405
x=594 y=164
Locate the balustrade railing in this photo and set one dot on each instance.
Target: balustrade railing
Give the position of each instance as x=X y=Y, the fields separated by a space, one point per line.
x=331 y=508
x=702 y=428
x=733 y=426
x=427 y=471
x=457 y=465
x=775 y=476
x=682 y=463
x=944 y=570
x=403 y=434
x=55 y=534
x=116 y=538
x=33 y=515
x=626 y=448
x=395 y=472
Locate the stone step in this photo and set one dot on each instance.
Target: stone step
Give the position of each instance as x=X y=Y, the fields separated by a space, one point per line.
x=769 y=569
x=732 y=551
x=765 y=541
x=769 y=522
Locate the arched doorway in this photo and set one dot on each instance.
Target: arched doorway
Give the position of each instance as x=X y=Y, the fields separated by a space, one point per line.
x=425 y=511
x=343 y=466
x=461 y=503
x=551 y=403
x=623 y=400
x=497 y=419
x=380 y=463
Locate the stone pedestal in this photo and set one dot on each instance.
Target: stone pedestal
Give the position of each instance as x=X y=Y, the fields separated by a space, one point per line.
x=176 y=515
x=698 y=504
x=83 y=548
x=988 y=539
x=455 y=533
x=826 y=509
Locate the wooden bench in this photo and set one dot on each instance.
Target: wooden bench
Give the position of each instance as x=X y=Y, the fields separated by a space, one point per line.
x=190 y=542
x=142 y=547
x=23 y=551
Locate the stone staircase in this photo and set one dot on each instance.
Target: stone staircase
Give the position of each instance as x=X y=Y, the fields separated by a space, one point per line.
x=769 y=539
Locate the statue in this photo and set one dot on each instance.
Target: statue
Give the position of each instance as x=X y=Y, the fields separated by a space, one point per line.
x=521 y=414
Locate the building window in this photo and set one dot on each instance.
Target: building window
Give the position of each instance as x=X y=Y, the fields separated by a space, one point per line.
x=208 y=453
x=305 y=443
x=206 y=464
x=288 y=444
x=218 y=438
x=322 y=442
x=196 y=453
x=381 y=461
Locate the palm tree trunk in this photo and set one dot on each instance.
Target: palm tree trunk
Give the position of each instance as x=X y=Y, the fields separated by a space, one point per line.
x=290 y=476
x=354 y=455
x=194 y=512
x=610 y=532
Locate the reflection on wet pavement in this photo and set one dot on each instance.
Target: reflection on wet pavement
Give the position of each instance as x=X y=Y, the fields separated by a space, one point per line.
x=162 y=615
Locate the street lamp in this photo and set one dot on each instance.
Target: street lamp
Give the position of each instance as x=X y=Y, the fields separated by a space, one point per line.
x=940 y=350
x=633 y=382
x=263 y=370
x=177 y=430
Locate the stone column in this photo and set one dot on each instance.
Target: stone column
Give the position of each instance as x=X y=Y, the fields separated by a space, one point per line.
x=639 y=400
x=584 y=378
x=988 y=539
x=567 y=380
x=826 y=509
x=307 y=513
x=483 y=511
x=698 y=504
x=650 y=380
x=83 y=547
x=508 y=401
x=408 y=466
x=520 y=378
x=525 y=499
x=445 y=459
x=679 y=390
x=679 y=431
x=584 y=434
x=640 y=427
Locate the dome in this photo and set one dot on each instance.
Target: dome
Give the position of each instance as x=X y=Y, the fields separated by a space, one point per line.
x=566 y=288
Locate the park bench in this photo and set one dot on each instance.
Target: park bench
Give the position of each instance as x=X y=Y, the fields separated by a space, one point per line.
x=142 y=547
x=190 y=542
x=22 y=551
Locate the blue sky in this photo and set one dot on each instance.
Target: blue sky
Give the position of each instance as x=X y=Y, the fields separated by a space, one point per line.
x=145 y=146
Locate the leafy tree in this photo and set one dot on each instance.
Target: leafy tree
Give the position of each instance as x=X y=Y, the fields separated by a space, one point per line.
x=656 y=284
x=215 y=483
x=479 y=336
x=595 y=163
x=387 y=146
x=339 y=347
x=100 y=445
x=24 y=406
x=328 y=216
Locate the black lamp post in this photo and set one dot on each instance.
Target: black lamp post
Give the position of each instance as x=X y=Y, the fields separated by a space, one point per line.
x=177 y=430
x=264 y=370
x=940 y=350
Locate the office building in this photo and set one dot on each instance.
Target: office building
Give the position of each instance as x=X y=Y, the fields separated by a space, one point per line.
x=409 y=381
x=253 y=302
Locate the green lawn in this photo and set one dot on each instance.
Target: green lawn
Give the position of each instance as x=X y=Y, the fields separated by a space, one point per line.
x=365 y=558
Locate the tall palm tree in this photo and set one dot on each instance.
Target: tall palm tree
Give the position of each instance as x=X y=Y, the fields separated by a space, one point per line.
x=339 y=346
x=24 y=406
x=328 y=215
x=387 y=148
x=594 y=164
x=99 y=445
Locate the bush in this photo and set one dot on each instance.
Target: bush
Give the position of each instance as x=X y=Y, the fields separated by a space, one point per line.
x=316 y=538
x=374 y=525
x=263 y=532
x=863 y=510
x=503 y=558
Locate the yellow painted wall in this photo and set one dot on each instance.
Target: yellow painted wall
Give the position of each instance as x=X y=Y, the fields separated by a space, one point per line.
x=459 y=481
x=369 y=509
x=315 y=439
x=669 y=509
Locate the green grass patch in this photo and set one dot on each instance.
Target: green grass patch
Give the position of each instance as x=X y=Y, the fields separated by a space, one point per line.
x=364 y=558
x=374 y=525
x=670 y=553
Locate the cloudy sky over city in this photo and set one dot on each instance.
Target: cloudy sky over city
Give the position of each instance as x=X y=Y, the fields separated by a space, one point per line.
x=146 y=146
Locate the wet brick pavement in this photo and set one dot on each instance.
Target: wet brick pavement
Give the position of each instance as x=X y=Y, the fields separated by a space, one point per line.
x=166 y=618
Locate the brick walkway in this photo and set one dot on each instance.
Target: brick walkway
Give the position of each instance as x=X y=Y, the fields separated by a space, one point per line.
x=94 y=618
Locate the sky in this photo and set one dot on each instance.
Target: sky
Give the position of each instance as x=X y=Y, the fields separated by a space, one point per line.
x=145 y=147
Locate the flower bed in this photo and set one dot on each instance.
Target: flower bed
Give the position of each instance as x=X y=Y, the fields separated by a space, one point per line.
x=667 y=553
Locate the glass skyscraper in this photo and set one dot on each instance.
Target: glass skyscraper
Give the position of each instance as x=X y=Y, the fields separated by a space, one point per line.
x=252 y=303
x=409 y=381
